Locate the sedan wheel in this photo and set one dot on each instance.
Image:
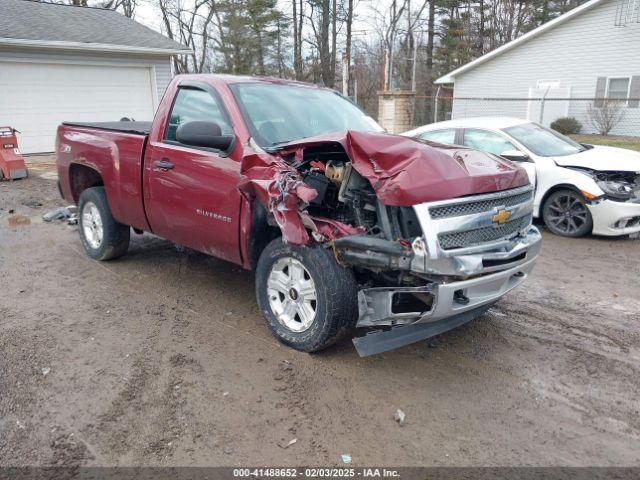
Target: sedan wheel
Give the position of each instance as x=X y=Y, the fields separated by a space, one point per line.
x=565 y=213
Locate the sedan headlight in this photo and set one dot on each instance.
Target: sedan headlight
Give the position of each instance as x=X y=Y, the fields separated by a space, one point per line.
x=616 y=189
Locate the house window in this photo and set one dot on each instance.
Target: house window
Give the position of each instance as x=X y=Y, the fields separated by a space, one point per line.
x=618 y=88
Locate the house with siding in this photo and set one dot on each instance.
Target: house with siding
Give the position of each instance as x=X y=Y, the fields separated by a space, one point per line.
x=64 y=63
x=572 y=62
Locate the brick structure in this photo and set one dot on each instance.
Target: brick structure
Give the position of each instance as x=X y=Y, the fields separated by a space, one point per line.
x=395 y=110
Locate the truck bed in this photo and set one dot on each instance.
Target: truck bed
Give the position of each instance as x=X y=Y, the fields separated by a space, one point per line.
x=115 y=150
x=136 y=128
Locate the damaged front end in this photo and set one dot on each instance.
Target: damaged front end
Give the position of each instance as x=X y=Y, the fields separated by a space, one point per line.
x=615 y=209
x=433 y=235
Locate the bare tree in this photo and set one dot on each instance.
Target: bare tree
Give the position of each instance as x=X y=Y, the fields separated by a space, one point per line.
x=297 y=38
x=349 y=39
x=605 y=115
x=126 y=7
x=323 y=40
x=189 y=24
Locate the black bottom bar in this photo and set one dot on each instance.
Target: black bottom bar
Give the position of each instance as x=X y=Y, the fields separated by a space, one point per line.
x=379 y=341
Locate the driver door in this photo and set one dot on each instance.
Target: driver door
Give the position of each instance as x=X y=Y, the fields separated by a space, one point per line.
x=191 y=193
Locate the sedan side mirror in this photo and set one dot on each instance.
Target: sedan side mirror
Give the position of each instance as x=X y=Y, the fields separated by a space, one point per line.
x=204 y=134
x=516 y=156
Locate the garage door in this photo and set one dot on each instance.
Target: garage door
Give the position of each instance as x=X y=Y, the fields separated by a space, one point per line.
x=36 y=98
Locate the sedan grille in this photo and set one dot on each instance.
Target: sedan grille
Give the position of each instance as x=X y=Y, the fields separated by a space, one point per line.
x=479 y=206
x=470 y=238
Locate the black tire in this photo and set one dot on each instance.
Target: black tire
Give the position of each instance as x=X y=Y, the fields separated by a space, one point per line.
x=336 y=306
x=565 y=213
x=115 y=236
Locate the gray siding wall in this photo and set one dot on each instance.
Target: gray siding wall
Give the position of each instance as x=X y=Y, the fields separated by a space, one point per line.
x=161 y=64
x=164 y=74
x=575 y=53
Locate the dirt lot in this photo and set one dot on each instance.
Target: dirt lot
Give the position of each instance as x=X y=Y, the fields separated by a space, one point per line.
x=161 y=358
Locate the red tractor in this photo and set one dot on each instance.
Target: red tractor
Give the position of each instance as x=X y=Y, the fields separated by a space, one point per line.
x=12 y=164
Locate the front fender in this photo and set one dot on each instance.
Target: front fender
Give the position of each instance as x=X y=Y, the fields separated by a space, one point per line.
x=554 y=177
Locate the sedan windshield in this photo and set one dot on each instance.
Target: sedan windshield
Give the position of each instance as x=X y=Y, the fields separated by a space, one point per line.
x=278 y=114
x=543 y=141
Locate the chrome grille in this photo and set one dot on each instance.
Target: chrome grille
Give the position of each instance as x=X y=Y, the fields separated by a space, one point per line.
x=478 y=206
x=478 y=236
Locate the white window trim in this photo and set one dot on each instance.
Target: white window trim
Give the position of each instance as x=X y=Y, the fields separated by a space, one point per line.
x=628 y=77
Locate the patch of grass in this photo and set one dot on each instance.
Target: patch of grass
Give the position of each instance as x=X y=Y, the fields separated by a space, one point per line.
x=632 y=143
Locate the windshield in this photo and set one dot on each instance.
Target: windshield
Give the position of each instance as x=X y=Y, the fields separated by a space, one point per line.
x=277 y=114
x=543 y=141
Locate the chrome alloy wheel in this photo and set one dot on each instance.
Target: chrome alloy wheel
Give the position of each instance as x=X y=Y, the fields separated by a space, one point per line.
x=567 y=213
x=92 y=225
x=292 y=294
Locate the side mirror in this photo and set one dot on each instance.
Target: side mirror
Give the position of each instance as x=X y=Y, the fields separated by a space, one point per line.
x=204 y=134
x=516 y=156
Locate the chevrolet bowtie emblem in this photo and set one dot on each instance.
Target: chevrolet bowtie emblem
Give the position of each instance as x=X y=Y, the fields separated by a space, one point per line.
x=501 y=217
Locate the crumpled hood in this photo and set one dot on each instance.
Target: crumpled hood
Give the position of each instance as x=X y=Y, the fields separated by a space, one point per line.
x=603 y=159
x=404 y=171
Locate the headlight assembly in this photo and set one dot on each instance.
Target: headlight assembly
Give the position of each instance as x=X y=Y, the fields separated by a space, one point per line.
x=618 y=190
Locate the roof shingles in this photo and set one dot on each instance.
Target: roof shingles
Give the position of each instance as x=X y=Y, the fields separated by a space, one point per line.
x=46 y=22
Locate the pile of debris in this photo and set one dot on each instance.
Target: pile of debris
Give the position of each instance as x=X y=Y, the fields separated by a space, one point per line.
x=70 y=214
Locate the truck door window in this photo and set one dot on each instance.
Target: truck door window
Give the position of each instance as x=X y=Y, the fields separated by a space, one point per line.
x=446 y=136
x=193 y=104
x=486 y=141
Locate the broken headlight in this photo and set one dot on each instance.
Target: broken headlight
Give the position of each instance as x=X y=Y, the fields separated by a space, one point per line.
x=617 y=189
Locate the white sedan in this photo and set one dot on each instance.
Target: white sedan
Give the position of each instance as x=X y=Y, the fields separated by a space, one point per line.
x=580 y=189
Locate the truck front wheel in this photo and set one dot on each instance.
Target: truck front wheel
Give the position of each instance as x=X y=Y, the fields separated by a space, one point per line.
x=103 y=238
x=307 y=299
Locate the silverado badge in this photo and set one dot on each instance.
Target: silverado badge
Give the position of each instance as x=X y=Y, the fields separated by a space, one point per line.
x=501 y=217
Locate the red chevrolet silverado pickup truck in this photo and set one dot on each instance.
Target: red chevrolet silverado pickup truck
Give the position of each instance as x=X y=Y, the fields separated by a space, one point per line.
x=349 y=229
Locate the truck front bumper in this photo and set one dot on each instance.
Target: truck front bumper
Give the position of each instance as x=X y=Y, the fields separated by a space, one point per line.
x=442 y=299
x=449 y=304
x=376 y=305
x=447 y=312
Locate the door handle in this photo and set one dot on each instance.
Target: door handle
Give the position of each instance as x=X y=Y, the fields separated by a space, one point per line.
x=164 y=164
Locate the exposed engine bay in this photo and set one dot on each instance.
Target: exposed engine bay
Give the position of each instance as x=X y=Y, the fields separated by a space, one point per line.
x=346 y=197
x=620 y=186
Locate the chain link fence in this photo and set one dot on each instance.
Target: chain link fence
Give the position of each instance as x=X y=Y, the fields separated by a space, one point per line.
x=594 y=115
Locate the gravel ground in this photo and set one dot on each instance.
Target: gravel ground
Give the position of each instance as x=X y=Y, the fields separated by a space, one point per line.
x=161 y=358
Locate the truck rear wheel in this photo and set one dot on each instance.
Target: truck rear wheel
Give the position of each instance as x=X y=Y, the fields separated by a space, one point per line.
x=308 y=301
x=103 y=238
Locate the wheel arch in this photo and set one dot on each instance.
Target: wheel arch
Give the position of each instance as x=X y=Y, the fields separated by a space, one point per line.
x=82 y=177
x=262 y=233
x=556 y=188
